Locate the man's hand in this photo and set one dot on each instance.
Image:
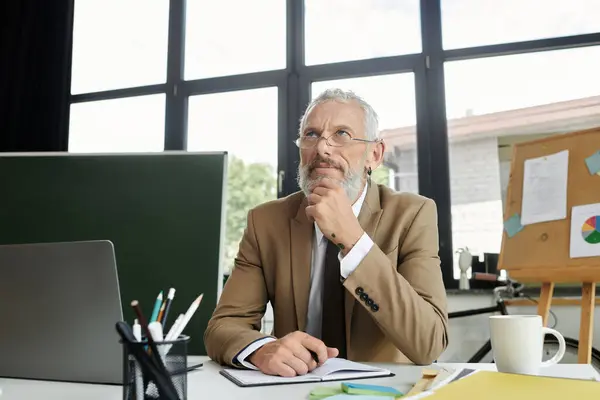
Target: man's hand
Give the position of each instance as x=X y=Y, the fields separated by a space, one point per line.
x=331 y=209
x=290 y=355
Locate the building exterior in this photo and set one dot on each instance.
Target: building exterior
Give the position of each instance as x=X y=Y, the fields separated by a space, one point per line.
x=480 y=155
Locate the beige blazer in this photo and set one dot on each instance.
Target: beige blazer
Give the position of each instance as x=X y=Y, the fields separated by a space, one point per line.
x=403 y=316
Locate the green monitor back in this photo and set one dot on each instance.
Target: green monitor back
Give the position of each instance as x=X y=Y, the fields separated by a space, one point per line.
x=163 y=212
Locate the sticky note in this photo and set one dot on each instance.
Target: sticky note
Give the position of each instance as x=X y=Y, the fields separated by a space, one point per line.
x=593 y=163
x=513 y=225
x=373 y=390
x=321 y=392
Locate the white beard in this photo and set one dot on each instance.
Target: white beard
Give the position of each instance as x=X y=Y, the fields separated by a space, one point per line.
x=352 y=181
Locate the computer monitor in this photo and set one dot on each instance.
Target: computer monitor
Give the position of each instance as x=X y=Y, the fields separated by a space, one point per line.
x=59 y=303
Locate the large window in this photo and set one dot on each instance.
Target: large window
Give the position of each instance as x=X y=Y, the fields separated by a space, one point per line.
x=455 y=83
x=341 y=30
x=469 y=23
x=493 y=103
x=228 y=37
x=243 y=123
x=131 y=124
x=393 y=98
x=116 y=45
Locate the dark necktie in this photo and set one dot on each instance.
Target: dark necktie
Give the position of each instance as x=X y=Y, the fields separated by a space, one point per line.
x=333 y=331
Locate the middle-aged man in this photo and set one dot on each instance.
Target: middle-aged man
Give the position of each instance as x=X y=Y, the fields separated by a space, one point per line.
x=350 y=267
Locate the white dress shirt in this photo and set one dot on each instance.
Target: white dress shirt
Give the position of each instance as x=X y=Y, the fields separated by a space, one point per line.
x=347 y=265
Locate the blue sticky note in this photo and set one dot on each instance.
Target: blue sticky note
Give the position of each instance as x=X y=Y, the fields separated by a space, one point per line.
x=513 y=225
x=593 y=163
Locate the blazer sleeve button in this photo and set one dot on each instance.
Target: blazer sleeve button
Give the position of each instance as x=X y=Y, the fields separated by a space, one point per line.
x=369 y=302
x=375 y=308
x=364 y=297
x=359 y=290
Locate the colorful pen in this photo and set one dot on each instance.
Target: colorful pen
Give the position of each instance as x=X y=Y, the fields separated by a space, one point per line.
x=157 y=304
x=161 y=311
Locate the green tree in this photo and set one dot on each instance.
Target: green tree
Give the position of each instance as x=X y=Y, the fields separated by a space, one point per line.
x=381 y=175
x=248 y=185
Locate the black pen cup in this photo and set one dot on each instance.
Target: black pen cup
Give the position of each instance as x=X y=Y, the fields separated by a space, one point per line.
x=140 y=383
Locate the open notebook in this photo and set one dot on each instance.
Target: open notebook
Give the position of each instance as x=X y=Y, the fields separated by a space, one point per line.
x=334 y=369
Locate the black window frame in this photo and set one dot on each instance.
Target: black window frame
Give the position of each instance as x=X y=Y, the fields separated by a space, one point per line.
x=293 y=84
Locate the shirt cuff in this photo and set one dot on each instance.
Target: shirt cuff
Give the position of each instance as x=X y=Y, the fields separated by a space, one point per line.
x=360 y=250
x=251 y=348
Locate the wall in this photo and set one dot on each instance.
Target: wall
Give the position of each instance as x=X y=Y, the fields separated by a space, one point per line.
x=406 y=178
x=474 y=171
x=475 y=186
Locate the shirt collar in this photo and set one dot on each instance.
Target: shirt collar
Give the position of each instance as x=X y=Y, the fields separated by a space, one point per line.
x=355 y=209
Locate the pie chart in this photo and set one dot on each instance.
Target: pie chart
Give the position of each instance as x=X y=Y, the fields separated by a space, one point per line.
x=591 y=230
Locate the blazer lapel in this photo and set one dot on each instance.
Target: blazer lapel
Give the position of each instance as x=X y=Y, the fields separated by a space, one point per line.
x=369 y=216
x=301 y=259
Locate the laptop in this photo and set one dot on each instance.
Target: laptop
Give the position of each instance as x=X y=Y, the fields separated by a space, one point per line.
x=59 y=303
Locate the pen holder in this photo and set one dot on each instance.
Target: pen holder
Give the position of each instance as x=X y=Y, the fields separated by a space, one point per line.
x=139 y=383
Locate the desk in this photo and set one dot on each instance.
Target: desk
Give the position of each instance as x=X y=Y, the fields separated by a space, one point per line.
x=206 y=383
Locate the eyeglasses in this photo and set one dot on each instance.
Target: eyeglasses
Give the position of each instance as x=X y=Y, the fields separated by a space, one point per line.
x=335 y=140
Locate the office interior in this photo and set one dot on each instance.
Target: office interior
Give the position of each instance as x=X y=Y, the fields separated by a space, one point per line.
x=456 y=83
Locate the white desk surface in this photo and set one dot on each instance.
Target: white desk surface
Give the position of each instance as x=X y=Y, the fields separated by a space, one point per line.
x=207 y=383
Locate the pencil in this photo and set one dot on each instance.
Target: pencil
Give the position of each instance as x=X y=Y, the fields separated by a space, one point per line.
x=161 y=311
x=187 y=316
x=157 y=303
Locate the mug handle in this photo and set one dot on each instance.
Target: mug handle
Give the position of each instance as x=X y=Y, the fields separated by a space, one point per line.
x=562 y=347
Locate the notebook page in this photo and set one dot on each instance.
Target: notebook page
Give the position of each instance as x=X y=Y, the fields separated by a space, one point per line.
x=252 y=377
x=339 y=365
x=347 y=375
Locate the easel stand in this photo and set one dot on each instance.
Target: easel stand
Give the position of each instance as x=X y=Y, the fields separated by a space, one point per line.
x=541 y=251
x=588 y=278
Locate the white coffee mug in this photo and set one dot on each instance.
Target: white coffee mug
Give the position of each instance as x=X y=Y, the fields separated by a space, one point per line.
x=518 y=342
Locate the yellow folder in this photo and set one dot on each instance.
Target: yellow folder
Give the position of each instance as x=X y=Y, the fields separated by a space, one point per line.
x=490 y=385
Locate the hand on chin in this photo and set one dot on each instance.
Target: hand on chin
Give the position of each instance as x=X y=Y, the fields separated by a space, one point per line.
x=322 y=179
x=331 y=209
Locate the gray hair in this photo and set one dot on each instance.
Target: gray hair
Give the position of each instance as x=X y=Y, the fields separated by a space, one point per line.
x=345 y=96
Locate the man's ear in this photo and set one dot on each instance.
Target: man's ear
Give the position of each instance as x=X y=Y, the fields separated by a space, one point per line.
x=377 y=153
